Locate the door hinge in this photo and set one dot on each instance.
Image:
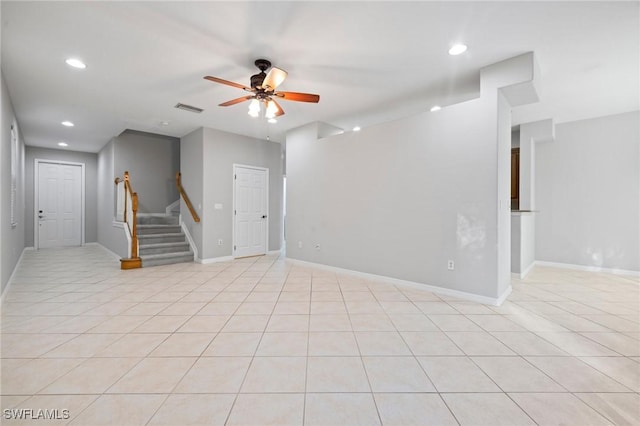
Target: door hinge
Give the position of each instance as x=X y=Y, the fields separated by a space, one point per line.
x=235 y=176
x=235 y=213
x=234 y=248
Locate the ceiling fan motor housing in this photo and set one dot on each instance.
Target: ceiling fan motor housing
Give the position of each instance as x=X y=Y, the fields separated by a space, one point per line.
x=257 y=79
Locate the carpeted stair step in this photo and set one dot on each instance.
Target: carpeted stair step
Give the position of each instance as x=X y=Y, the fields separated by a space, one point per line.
x=158 y=248
x=156 y=219
x=158 y=229
x=166 y=258
x=175 y=237
x=161 y=240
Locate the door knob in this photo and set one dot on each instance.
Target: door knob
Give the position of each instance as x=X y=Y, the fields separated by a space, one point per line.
x=264 y=216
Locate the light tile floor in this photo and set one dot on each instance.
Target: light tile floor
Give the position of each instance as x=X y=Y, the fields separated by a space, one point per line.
x=259 y=341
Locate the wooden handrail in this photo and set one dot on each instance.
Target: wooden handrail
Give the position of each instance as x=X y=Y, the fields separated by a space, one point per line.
x=134 y=208
x=134 y=260
x=194 y=215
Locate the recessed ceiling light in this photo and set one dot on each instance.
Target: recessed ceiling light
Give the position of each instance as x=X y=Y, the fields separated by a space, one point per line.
x=436 y=108
x=76 y=63
x=457 y=49
x=272 y=120
x=63 y=144
x=164 y=123
x=356 y=129
x=67 y=124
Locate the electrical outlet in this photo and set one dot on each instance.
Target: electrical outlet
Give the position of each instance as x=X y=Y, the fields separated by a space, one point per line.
x=299 y=244
x=220 y=242
x=450 y=265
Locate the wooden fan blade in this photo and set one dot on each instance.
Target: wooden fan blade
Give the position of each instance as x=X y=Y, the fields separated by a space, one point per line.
x=280 y=110
x=228 y=83
x=236 y=101
x=274 y=78
x=299 y=97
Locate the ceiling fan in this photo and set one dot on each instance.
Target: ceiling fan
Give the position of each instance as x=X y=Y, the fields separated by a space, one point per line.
x=263 y=89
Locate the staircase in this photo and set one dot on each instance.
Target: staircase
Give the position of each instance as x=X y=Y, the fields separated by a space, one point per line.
x=161 y=240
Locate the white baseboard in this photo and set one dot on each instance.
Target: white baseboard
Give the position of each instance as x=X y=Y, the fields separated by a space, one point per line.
x=214 y=259
x=172 y=206
x=494 y=301
x=187 y=234
x=15 y=268
x=500 y=300
x=271 y=252
x=522 y=275
x=527 y=270
x=588 y=268
x=111 y=253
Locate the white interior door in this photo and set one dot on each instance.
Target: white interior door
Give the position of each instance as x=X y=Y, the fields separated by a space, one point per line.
x=59 y=205
x=250 y=211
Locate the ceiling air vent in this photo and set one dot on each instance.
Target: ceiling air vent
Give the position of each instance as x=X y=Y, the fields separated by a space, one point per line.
x=189 y=108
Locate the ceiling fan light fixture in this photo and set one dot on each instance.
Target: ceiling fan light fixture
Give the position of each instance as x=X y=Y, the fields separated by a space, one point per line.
x=254 y=108
x=274 y=78
x=271 y=111
x=263 y=89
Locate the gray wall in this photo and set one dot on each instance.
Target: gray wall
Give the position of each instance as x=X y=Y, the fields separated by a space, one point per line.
x=110 y=235
x=191 y=165
x=400 y=199
x=152 y=161
x=588 y=194
x=90 y=161
x=11 y=237
x=522 y=242
x=207 y=157
x=503 y=194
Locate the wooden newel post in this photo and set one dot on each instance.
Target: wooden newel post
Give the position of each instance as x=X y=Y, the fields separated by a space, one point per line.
x=134 y=260
x=134 y=236
x=127 y=188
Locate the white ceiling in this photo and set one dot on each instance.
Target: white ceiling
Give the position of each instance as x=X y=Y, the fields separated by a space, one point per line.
x=369 y=61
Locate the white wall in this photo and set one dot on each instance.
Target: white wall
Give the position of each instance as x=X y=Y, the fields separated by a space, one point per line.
x=11 y=237
x=207 y=157
x=588 y=194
